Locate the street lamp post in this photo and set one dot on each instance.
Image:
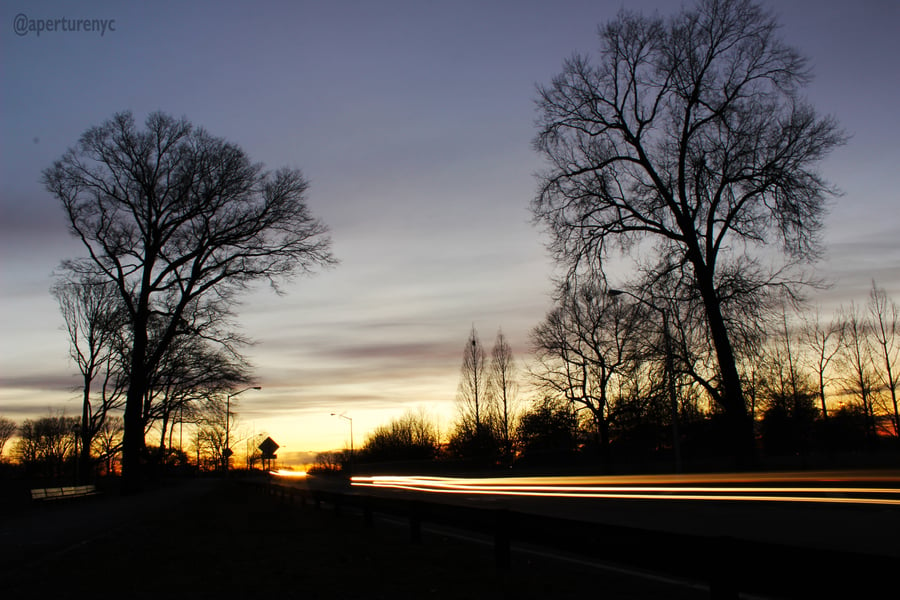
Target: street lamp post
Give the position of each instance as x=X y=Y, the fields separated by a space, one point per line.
x=227 y=451
x=670 y=371
x=344 y=416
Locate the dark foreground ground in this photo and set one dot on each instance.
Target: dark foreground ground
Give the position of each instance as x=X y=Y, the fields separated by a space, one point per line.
x=227 y=540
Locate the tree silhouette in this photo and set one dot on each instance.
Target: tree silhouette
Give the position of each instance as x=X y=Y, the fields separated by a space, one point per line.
x=582 y=347
x=44 y=445
x=884 y=315
x=412 y=436
x=175 y=217
x=471 y=395
x=824 y=343
x=503 y=387
x=92 y=312
x=689 y=134
x=8 y=429
x=859 y=366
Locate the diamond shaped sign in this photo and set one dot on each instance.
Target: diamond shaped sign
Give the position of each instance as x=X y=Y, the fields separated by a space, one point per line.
x=268 y=448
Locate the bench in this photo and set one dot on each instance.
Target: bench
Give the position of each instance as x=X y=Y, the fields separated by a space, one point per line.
x=58 y=493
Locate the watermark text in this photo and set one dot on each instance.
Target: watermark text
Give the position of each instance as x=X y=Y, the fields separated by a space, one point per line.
x=24 y=26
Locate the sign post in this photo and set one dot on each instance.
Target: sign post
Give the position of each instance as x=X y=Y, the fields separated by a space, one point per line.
x=268 y=448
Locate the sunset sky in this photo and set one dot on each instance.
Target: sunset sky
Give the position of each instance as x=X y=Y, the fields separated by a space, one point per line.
x=413 y=122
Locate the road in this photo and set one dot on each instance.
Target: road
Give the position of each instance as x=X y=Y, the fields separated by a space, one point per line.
x=845 y=511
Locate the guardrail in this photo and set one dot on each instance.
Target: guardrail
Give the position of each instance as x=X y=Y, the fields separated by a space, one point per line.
x=729 y=566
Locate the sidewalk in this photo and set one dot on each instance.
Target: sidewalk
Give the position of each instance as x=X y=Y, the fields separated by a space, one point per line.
x=229 y=541
x=34 y=532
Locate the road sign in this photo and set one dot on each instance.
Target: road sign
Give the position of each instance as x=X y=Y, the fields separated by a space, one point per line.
x=268 y=448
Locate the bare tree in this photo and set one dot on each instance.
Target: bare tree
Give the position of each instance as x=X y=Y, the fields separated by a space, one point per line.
x=471 y=395
x=191 y=372
x=108 y=443
x=689 y=134
x=210 y=441
x=175 y=217
x=824 y=343
x=90 y=307
x=412 y=436
x=858 y=364
x=503 y=388
x=8 y=429
x=884 y=315
x=45 y=445
x=581 y=347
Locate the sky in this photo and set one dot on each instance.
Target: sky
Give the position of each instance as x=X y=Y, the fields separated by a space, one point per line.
x=413 y=122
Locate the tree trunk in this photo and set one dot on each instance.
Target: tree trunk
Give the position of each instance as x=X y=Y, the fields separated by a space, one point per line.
x=731 y=399
x=133 y=433
x=86 y=434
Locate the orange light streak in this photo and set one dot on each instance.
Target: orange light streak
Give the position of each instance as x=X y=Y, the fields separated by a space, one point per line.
x=288 y=474
x=447 y=485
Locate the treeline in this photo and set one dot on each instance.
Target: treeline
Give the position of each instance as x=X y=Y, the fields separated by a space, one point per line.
x=189 y=389
x=189 y=385
x=51 y=447
x=616 y=380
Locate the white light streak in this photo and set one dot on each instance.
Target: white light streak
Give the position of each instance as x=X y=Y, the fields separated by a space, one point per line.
x=575 y=488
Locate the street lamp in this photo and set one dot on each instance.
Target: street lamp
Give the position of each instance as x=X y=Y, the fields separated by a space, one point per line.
x=343 y=415
x=670 y=370
x=227 y=451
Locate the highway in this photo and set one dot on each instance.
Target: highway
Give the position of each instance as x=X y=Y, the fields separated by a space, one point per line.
x=856 y=511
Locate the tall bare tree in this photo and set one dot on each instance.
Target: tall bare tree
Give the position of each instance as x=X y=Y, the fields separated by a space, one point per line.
x=471 y=396
x=884 y=315
x=859 y=367
x=689 y=134
x=91 y=309
x=175 y=217
x=824 y=342
x=503 y=387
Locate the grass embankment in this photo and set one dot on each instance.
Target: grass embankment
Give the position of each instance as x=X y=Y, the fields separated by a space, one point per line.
x=240 y=543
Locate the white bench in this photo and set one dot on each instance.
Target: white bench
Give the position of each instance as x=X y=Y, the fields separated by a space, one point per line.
x=57 y=493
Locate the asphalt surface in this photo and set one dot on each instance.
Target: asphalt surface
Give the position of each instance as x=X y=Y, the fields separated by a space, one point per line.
x=30 y=533
x=36 y=539
x=865 y=529
x=37 y=532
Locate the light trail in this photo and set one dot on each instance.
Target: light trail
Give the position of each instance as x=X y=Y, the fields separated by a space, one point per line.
x=575 y=488
x=288 y=474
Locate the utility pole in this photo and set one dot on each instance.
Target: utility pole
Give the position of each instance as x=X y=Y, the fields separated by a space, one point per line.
x=227 y=451
x=343 y=415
